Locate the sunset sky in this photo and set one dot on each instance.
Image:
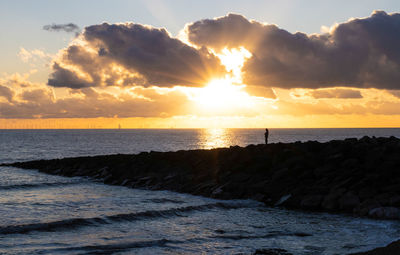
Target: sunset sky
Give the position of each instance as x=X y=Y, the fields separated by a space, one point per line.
x=199 y=64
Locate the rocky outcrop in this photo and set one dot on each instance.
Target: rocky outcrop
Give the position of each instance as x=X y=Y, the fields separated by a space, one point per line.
x=358 y=176
x=391 y=249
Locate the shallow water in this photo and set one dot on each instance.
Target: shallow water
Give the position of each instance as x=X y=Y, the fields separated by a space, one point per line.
x=45 y=214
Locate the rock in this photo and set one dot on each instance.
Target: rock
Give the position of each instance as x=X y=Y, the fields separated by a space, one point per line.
x=125 y=182
x=170 y=177
x=392 y=213
x=258 y=197
x=311 y=202
x=384 y=199
x=330 y=201
x=271 y=252
x=391 y=249
x=385 y=213
x=367 y=205
x=283 y=199
x=322 y=170
x=350 y=163
x=216 y=192
x=279 y=174
x=366 y=192
x=349 y=201
x=104 y=172
x=394 y=201
x=108 y=179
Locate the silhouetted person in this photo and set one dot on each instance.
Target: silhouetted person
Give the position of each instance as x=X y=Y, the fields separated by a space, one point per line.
x=266 y=135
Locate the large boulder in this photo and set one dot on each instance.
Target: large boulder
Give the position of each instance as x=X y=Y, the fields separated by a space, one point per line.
x=349 y=201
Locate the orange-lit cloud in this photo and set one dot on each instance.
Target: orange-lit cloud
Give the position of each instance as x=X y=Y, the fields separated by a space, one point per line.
x=22 y=99
x=359 y=53
x=131 y=54
x=335 y=93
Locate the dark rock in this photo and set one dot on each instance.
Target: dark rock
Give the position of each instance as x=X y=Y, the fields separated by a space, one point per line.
x=271 y=252
x=311 y=202
x=367 y=205
x=384 y=198
x=349 y=201
x=394 y=201
x=283 y=199
x=391 y=249
x=385 y=213
x=366 y=192
x=331 y=201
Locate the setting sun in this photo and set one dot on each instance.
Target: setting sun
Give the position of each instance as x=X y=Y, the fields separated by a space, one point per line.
x=221 y=95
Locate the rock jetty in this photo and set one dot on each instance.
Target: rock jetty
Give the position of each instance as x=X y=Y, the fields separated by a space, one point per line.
x=356 y=176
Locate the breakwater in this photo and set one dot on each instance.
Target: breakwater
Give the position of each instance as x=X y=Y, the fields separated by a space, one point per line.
x=357 y=176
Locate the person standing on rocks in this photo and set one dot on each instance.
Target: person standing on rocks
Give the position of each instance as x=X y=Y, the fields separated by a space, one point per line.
x=266 y=135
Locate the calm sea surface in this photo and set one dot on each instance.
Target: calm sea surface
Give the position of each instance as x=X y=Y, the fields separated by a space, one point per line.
x=44 y=214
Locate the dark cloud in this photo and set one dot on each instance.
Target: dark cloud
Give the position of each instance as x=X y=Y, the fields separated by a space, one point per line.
x=361 y=53
x=336 y=93
x=6 y=93
x=133 y=54
x=62 y=77
x=69 y=28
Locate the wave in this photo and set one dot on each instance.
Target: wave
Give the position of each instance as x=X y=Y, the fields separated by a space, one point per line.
x=82 y=222
x=116 y=247
x=269 y=235
x=38 y=185
x=163 y=200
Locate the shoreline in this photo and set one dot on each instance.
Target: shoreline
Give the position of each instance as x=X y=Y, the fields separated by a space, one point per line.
x=354 y=176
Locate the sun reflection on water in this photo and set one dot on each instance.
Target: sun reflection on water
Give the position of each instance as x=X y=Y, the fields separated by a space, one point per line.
x=214 y=138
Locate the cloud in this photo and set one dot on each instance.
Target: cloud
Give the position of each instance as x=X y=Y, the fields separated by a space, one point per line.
x=395 y=93
x=260 y=91
x=132 y=54
x=69 y=28
x=335 y=93
x=29 y=56
x=362 y=53
x=23 y=99
x=6 y=93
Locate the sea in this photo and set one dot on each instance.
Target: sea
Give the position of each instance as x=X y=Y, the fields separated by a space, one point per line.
x=47 y=214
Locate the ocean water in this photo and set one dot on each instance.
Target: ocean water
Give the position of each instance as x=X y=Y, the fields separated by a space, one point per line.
x=45 y=214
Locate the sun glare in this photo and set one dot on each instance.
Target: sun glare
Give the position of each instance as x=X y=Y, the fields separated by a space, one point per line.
x=220 y=95
x=233 y=60
x=223 y=95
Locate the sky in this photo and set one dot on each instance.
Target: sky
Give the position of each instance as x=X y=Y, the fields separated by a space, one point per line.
x=189 y=64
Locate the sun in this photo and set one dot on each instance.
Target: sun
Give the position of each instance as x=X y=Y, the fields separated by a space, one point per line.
x=221 y=94
x=225 y=95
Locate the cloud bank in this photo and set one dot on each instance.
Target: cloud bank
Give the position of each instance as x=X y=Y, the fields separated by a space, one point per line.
x=22 y=99
x=361 y=53
x=133 y=70
x=132 y=55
